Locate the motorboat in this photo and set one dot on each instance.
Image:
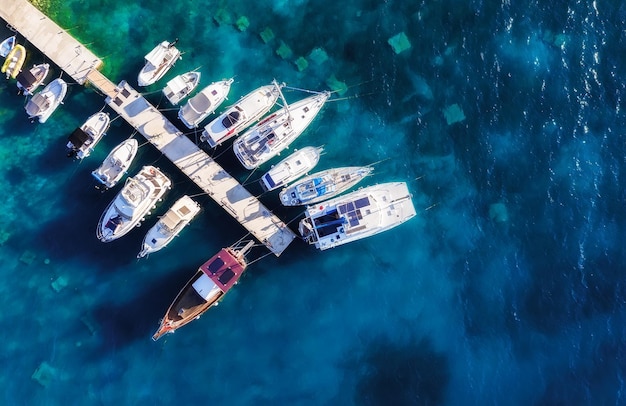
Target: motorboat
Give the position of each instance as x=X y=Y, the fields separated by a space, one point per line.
x=139 y=195
x=158 y=62
x=84 y=139
x=169 y=225
x=181 y=86
x=14 y=61
x=7 y=45
x=206 y=288
x=323 y=185
x=204 y=103
x=240 y=115
x=356 y=215
x=270 y=136
x=29 y=80
x=116 y=164
x=291 y=168
x=44 y=103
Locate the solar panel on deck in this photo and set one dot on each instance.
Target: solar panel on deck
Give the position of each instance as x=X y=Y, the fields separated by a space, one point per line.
x=226 y=276
x=216 y=265
x=362 y=202
x=342 y=208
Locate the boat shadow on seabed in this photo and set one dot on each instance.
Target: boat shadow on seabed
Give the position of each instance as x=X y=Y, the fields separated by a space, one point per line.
x=121 y=324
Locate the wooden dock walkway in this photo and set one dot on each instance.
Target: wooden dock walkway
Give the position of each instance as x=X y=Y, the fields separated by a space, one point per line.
x=78 y=62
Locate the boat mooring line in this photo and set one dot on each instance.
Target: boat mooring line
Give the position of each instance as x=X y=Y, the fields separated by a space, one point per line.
x=432 y=206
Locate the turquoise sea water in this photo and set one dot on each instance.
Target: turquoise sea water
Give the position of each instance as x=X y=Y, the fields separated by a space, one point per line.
x=507 y=288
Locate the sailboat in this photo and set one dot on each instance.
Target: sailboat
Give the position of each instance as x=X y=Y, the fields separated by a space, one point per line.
x=206 y=288
x=273 y=134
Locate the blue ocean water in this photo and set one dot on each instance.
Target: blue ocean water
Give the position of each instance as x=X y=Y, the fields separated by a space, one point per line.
x=504 y=118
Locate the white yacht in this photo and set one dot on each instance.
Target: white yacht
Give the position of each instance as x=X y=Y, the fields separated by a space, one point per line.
x=204 y=103
x=84 y=139
x=44 y=103
x=139 y=195
x=239 y=116
x=181 y=86
x=291 y=168
x=29 y=80
x=116 y=164
x=158 y=62
x=169 y=226
x=323 y=185
x=274 y=133
x=357 y=215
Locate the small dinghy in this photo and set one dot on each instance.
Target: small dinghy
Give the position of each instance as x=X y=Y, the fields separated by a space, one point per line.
x=7 y=46
x=15 y=59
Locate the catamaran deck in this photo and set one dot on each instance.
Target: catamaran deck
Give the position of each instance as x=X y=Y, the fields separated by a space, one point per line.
x=81 y=65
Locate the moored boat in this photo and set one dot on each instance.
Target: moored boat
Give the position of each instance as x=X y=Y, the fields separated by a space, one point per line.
x=356 y=215
x=323 y=185
x=158 y=62
x=84 y=139
x=276 y=132
x=169 y=225
x=240 y=115
x=291 y=168
x=44 y=103
x=204 y=103
x=15 y=59
x=7 y=45
x=178 y=88
x=208 y=285
x=29 y=80
x=116 y=164
x=139 y=195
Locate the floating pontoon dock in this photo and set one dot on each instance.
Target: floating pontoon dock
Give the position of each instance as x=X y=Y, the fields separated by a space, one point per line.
x=81 y=64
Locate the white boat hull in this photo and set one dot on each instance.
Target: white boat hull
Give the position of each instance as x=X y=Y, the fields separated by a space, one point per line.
x=291 y=168
x=44 y=103
x=169 y=225
x=181 y=86
x=139 y=195
x=116 y=164
x=357 y=215
x=241 y=115
x=204 y=103
x=275 y=133
x=158 y=62
x=83 y=142
x=323 y=185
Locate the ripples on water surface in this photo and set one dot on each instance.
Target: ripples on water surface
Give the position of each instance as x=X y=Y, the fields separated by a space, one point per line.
x=507 y=288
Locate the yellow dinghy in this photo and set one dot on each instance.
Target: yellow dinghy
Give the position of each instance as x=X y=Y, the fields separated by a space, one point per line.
x=13 y=64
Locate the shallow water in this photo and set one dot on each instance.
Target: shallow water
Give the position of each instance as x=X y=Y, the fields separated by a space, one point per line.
x=507 y=288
